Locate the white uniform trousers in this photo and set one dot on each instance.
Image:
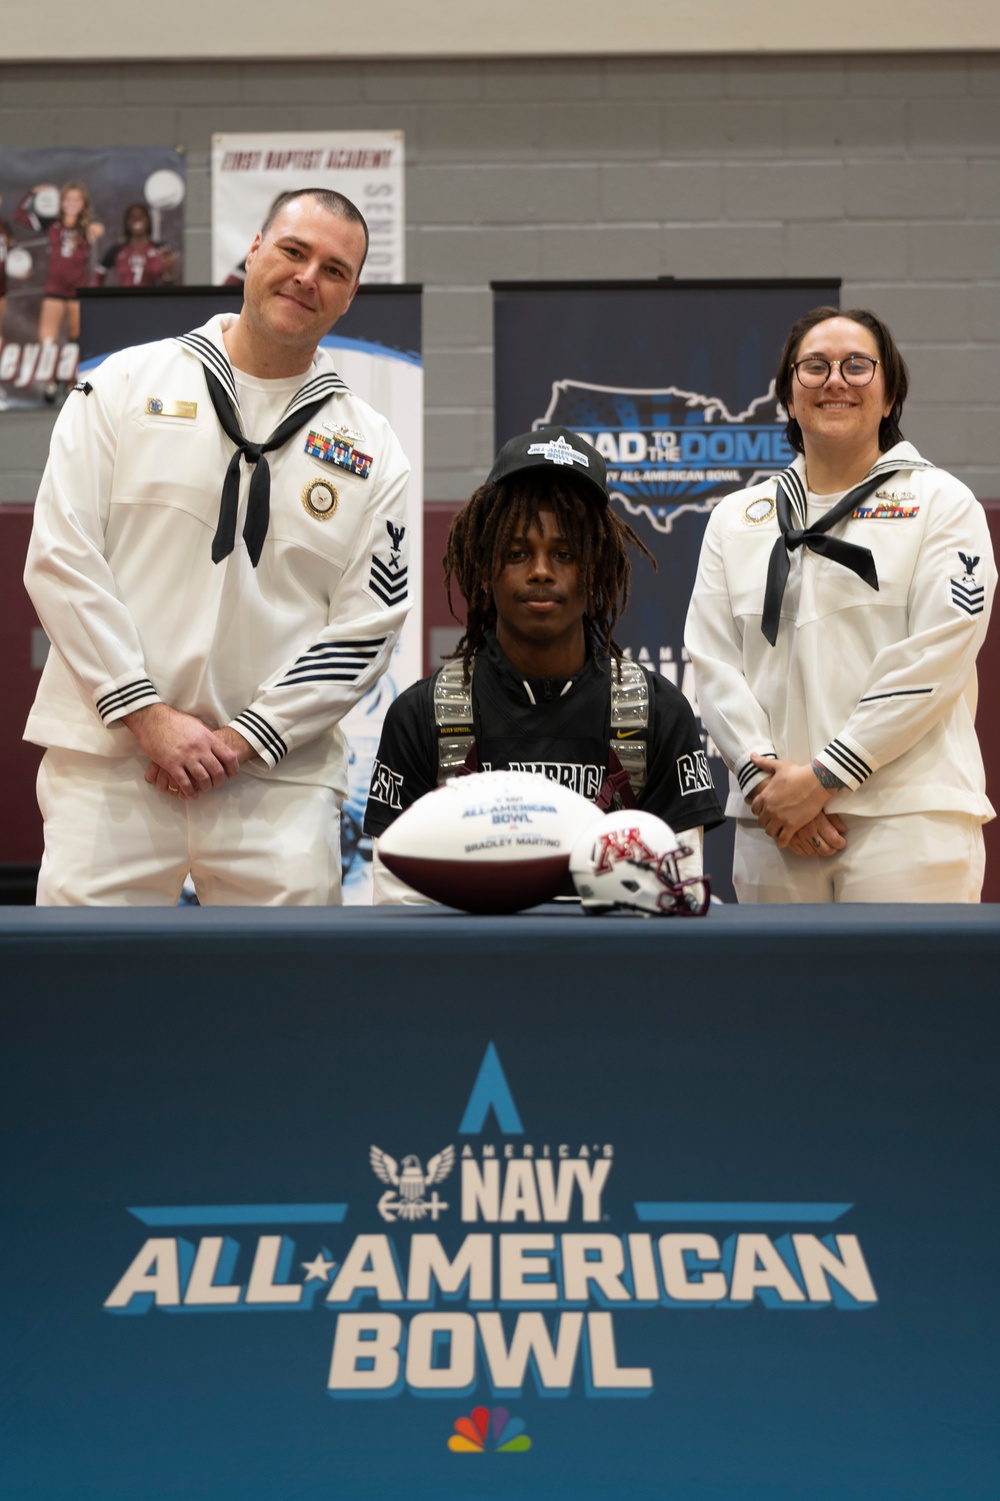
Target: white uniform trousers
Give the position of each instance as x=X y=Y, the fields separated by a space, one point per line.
x=905 y=857
x=112 y=840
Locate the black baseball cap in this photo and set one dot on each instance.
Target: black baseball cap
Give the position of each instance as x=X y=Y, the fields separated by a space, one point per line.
x=557 y=450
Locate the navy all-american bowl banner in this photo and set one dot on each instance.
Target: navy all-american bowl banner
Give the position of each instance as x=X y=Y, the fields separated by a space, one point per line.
x=369 y=1205
x=376 y=347
x=673 y=382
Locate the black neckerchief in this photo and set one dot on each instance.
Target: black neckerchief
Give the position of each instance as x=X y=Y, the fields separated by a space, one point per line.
x=858 y=559
x=315 y=391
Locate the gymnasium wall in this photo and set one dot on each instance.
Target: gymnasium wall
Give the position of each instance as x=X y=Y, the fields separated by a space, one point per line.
x=884 y=170
x=480 y=28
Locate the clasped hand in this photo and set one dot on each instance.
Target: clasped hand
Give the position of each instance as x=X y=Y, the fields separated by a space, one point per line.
x=186 y=756
x=789 y=808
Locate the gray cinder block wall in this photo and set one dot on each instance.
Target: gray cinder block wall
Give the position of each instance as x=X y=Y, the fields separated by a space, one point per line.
x=882 y=170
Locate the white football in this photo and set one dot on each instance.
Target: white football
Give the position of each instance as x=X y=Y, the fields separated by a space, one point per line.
x=497 y=841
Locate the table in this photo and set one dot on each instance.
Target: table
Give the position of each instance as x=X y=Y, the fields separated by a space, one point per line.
x=701 y=1209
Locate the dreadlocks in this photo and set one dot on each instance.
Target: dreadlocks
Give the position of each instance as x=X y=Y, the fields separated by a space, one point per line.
x=481 y=533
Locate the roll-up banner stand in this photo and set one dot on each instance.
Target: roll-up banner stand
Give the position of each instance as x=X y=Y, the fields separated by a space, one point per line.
x=376 y=347
x=673 y=381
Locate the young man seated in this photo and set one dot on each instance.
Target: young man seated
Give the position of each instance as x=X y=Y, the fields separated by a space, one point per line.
x=538 y=682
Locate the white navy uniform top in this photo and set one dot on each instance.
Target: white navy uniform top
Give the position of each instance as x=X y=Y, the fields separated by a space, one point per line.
x=878 y=686
x=121 y=574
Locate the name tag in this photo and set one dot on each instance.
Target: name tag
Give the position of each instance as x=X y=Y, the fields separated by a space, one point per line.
x=157 y=408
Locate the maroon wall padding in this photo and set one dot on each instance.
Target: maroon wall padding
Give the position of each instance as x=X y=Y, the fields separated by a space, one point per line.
x=20 y=822
x=438 y=516
x=20 y=825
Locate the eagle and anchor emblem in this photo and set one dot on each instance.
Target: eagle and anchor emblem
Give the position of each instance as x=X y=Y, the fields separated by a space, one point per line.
x=405 y=1198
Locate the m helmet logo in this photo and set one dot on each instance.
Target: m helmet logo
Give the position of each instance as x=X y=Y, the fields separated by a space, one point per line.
x=621 y=844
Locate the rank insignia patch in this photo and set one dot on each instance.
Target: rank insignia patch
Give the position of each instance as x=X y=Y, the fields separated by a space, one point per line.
x=758 y=511
x=320 y=499
x=388 y=580
x=156 y=408
x=967 y=593
x=340 y=450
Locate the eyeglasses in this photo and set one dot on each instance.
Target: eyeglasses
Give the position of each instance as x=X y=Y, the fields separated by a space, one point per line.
x=857 y=370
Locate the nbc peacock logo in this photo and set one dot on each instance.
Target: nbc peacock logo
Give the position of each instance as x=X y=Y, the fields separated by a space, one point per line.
x=496 y=1431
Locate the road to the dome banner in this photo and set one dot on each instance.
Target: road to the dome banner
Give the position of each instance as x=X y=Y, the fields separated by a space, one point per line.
x=673 y=382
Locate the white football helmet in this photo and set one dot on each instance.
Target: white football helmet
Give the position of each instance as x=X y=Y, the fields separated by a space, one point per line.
x=634 y=860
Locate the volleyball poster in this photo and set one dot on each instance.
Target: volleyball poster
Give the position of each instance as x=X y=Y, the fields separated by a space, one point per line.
x=70 y=218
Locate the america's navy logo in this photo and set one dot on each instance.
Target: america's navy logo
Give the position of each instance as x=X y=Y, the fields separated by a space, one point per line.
x=387 y=580
x=411 y=1183
x=967 y=593
x=671 y=451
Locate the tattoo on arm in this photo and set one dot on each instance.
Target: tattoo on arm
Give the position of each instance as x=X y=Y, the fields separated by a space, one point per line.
x=826 y=778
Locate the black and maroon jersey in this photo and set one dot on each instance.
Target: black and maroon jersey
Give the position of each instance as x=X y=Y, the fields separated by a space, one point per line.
x=127 y=265
x=558 y=728
x=6 y=240
x=69 y=263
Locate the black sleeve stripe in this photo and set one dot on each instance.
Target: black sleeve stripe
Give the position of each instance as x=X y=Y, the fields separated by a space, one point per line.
x=120 y=698
x=332 y=646
x=748 y=770
x=357 y=660
x=139 y=683
x=318 y=676
x=871 y=698
x=351 y=657
x=362 y=658
x=859 y=770
x=263 y=732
